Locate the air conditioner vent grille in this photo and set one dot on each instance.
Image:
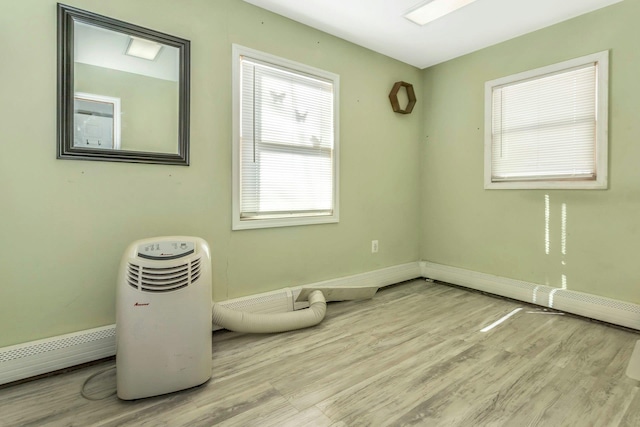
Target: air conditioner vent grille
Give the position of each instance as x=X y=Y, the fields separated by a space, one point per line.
x=133 y=275
x=163 y=279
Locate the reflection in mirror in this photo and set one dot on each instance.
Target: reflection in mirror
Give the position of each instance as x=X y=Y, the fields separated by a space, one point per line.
x=96 y=121
x=123 y=91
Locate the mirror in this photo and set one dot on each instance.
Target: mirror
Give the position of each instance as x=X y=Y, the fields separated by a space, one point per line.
x=123 y=91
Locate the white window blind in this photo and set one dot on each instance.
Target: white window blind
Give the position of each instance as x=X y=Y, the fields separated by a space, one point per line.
x=545 y=127
x=286 y=143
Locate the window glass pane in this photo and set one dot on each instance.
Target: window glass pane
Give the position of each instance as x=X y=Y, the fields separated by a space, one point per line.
x=293 y=111
x=545 y=126
x=293 y=181
x=286 y=143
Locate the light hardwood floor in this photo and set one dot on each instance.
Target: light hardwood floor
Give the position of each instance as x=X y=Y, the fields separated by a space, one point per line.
x=412 y=355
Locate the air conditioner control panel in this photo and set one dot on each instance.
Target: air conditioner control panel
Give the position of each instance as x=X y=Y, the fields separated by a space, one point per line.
x=164 y=250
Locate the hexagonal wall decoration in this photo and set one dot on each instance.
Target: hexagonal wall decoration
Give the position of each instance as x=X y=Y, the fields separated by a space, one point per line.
x=411 y=95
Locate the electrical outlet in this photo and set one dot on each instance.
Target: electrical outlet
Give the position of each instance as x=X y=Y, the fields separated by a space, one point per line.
x=374 y=246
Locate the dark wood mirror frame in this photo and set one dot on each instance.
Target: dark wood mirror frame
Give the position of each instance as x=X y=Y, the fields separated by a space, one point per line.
x=67 y=16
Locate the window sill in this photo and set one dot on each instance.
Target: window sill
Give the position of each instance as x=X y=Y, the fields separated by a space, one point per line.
x=600 y=184
x=252 y=224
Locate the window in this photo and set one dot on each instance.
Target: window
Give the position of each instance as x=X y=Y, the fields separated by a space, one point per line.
x=547 y=128
x=285 y=144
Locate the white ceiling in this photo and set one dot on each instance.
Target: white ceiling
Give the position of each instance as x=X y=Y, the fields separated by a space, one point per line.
x=379 y=25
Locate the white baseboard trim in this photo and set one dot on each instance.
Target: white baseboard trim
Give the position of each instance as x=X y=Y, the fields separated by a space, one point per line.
x=377 y=278
x=595 y=307
x=34 y=358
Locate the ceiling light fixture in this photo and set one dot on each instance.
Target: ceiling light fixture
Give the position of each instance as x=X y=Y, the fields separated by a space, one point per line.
x=142 y=48
x=435 y=9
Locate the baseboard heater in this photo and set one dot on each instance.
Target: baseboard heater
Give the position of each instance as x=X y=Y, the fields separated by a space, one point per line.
x=588 y=305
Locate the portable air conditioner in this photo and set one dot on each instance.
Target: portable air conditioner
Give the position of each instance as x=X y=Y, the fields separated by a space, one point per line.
x=163 y=317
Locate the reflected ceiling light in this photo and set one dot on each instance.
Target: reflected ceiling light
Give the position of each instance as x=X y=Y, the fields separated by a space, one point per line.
x=142 y=48
x=435 y=9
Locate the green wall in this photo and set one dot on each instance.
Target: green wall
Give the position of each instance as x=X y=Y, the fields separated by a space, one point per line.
x=502 y=232
x=413 y=182
x=66 y=223
x=149 y=106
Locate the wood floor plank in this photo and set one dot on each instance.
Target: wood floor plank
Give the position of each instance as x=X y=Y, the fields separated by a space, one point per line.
x=480 y=397
x=412 y=355
x=631 y=416
x=406 y=384
x=331 y=380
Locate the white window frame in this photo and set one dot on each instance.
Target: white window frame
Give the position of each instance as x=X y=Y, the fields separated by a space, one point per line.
x=239 y=223
x=600 y=181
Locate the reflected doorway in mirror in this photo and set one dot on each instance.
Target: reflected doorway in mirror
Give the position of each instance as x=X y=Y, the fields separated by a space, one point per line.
x=96 y=121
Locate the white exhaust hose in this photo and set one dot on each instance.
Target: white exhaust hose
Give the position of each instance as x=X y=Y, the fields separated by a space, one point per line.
x=260 y=323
